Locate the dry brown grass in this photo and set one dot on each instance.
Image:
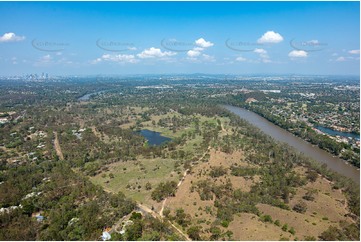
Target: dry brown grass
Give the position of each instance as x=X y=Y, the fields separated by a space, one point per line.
x=193 y=205
x=246 y=226
x=328 y=204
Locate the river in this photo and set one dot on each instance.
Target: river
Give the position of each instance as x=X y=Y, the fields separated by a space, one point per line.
x=279 y=134
x=338 y=133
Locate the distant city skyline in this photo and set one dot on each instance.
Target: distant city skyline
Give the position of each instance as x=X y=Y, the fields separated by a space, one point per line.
x=127 y=38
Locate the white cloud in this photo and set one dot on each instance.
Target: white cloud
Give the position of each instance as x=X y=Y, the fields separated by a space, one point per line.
x=260 y=51
x=154 y=52
x=354 y=52
x=341 y=58
x=270 y=37
x=298 y=53
x=198 y=49
x=203 y=43
x=116 y=58
x=50 y=60
x=193 y=53
x=208 y=58
x=241 y=59
x=196 y=52
x=46 y=58
x=11 y=37
x=14 y=61
x=263 y=54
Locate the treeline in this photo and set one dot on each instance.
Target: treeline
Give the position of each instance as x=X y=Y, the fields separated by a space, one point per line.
x=303 y=131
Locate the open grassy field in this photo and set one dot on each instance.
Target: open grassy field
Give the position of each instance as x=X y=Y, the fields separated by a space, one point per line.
x=131 y=177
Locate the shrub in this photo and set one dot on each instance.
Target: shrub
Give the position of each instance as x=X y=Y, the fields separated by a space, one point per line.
x=164 y=190
x=267 y=218
x=193 y=233
x=225 y=223
x=310 y=195
x=312 y=175
x=300 y=207
x=309 y=238
x=292 y=231
x=218 y=171
x=285 y=227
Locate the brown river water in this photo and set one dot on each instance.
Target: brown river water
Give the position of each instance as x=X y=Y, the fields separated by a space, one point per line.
x=279 y=134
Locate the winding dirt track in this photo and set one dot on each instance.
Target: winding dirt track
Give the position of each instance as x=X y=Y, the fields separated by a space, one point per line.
x=156 y=215
x=57 y=146
x=146 y=209
x=181 y=181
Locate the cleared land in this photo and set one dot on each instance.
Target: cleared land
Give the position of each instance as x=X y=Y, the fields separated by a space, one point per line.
x=328 y=207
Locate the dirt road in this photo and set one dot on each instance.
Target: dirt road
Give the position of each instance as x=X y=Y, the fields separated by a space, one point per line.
x=57 y=146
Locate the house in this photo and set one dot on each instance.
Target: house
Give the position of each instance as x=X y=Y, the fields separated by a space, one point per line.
x=105 y=236
x=3 y=120
x=251 y=100
x=38 y=216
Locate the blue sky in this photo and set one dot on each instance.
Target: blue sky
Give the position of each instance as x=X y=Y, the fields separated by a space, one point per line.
x=84 y=38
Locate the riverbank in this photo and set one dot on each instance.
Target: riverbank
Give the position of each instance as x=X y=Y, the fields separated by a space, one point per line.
x=334 y=163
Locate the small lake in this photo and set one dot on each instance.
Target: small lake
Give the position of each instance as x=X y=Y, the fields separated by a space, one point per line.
x=86 y=97
x=338 y=133
x=153 y=138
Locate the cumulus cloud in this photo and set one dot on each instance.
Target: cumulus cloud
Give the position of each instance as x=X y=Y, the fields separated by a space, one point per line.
x=354 y=52
x=270 y=37
x=263 y=54
x=341 y=58
x=200 y=45
x=155 y=53
x=46 y=59
x=11 y=37
x=14 y=60
x=193 y=53
x=54 y=59
x=260 y=51
x=241 y=59
x=297 y=54
x=208 y=58
x=116 y=58
x=203 y=43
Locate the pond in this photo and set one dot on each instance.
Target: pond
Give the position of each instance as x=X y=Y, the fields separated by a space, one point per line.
x=153 y=138
x=86 y=97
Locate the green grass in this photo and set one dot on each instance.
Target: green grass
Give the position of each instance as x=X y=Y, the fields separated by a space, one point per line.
x=134 y=176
